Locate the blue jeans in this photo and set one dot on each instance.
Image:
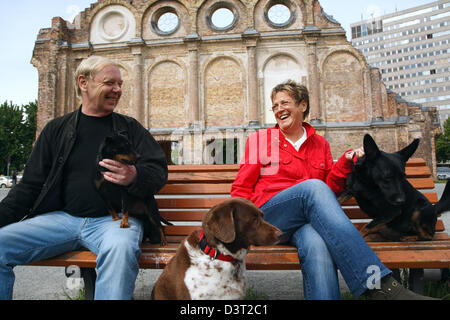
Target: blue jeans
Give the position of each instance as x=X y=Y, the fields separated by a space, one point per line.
x=44 y=236
x=311 y=218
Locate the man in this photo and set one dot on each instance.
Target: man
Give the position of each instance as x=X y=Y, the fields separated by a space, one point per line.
x=56 y=207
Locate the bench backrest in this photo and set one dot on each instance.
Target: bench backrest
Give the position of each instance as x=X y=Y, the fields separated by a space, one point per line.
x=193 y=189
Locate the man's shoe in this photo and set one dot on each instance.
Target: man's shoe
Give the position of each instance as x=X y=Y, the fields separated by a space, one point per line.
x=391 y=289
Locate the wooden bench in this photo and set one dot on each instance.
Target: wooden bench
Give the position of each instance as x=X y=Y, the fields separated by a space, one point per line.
x=193 y=189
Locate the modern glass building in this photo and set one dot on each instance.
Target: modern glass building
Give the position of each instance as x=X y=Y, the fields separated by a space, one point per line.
x=412 y=50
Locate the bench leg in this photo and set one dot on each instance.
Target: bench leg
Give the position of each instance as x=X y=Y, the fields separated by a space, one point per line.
x=445 y=274
x=89 y=276
x=416 y=280
x=396 y=274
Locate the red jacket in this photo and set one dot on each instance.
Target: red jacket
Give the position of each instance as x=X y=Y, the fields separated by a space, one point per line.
x=271 y=164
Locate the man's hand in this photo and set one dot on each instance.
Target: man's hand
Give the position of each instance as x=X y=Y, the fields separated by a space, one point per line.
x=122 y=174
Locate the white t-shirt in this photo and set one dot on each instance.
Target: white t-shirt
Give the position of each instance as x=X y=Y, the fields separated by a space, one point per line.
x=300 y=141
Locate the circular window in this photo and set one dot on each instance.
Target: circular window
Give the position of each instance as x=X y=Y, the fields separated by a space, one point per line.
x=279 y=15
x=165 y=21
x=222 y=18
x=168 y=22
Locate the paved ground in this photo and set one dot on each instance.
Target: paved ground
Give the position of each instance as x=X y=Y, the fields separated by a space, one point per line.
x=43 y=283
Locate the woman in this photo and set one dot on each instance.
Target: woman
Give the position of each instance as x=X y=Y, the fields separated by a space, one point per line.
x=288 y=172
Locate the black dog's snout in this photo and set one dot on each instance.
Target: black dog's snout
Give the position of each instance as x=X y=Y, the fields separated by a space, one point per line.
x=398 y=200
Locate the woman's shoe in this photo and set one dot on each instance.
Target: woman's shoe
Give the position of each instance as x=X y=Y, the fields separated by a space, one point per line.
x=391 y=289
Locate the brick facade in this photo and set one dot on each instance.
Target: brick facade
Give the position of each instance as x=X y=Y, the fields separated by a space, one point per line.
x=201 y=83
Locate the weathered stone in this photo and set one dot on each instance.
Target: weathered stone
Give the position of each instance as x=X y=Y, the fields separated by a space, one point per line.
x=201 y=83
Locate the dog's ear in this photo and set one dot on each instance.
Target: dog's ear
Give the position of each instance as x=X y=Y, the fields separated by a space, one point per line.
x=370 y=147
x=408 y=151
x=221 y=223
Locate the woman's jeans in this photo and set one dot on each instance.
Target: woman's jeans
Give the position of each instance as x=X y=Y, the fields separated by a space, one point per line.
x=51 y=234
x=312 y=219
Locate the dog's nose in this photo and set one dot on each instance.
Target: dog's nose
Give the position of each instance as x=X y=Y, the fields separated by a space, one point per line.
x=398 y=201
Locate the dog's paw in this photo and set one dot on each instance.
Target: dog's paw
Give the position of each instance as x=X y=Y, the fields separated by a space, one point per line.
x=124 y=224
x=411 y=238
x=345 y=196
x=163 y=241
x=364 y=231
x=375 y=237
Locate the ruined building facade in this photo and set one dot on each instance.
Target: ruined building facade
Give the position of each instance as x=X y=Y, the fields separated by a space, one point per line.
x=194 y=80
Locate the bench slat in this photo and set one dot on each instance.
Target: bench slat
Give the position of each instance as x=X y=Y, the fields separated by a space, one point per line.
x=355 y=213
x=415 y=258
x=416 y=162
x=439 y=225
x=197 y=215
x=189 y=203
x=83 y=259
x=196 y=188
x=229 y=176
x=225 y=188
x=202 y=177
x=279 y=260
x=412 y=162
x=176 y=235
x=431 y=196
x=392 y=259
x=180 y=230
x=422 y=183
x=380 y=246
x=206 y=203
x=417 y=172
x=184 y=215
x=191 y=168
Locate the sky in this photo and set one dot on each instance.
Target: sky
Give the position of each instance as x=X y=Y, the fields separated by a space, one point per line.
x=21 y=20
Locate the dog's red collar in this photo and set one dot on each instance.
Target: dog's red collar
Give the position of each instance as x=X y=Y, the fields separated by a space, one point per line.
x=211 y=251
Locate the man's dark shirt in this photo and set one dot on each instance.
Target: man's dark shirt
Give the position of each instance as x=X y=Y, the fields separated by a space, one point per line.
x=40 y=190
x=80 y=197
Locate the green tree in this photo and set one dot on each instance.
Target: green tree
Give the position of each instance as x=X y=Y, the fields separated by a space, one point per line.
x=17 y=134
x=443 y=144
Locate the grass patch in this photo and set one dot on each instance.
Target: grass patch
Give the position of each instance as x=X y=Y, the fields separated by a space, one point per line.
x=253 y=294
x=438 y=289
x=80 y=295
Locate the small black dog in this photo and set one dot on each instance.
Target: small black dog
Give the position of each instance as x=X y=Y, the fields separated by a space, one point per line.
x=118 y=147
x=399 y=212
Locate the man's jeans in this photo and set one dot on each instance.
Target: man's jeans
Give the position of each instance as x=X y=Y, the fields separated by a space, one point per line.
x=312 y=219
x=51 y=234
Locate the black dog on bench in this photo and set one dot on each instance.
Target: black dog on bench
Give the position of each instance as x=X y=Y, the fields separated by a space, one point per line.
x=118 y=147
x=399 y=212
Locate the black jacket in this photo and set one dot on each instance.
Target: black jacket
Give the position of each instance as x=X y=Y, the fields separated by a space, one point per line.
x=40 y=188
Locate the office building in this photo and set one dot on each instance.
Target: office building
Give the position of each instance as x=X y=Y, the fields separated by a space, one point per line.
x=411 y=49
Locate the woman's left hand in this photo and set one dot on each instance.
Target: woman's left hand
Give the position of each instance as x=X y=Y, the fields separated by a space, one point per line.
x=356 y=152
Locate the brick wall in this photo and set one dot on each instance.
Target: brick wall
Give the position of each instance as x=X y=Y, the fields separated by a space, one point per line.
x=200 y=79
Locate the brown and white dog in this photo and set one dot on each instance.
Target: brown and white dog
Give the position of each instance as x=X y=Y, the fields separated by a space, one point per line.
x=210 y=263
